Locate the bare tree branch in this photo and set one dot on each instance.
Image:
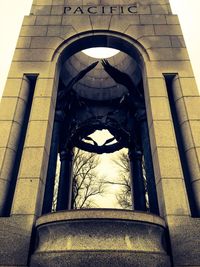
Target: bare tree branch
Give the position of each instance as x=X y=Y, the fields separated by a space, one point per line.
x=85 y=183
x=124 y=181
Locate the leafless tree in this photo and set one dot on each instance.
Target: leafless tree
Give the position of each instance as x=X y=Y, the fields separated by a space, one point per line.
x=86 y=184
x=123 y=195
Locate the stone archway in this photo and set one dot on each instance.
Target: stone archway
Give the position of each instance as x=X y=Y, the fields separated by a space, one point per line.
x=131 y=132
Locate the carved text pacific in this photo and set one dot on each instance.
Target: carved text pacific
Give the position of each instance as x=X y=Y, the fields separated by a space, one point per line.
x=100 y=10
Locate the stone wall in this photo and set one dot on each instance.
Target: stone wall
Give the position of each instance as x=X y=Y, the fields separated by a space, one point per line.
x=44 y=38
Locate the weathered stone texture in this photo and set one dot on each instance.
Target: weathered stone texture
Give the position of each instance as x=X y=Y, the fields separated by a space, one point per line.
x=85 y=234
x=15 y=234
x=156 y=35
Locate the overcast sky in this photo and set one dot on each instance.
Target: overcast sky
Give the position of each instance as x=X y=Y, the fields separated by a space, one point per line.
x=12 y=12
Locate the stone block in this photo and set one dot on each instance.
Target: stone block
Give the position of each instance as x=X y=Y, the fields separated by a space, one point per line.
x=8 y=108
x=57 y=10
x=45 y=42
x=34 y=163
x=58 y=2
x=12 y=88
x=33 y=54
x=63 y=32
x=160 y=108
x=46 y=88
x=100 y=24
x=152 y=19
x=15 y=235
x=164 y=134
x=17 y=110
x=177 y=41
x=42 y=109
x=184 y=235
x=189 y=86
x=188 y=108
x=17 y=70
x=55 y=20
x=168 y=30
x=103 y=2
x=138 y=31
x=159 y=9
x=144 y=9
x=192 y=105
x=195 y=128
x=80 y=23
x=174 y=197
x=41 y=9
x=155 y=41
x=38 y=134
x=167 y=163
x=71 y=2
x=48 y=20
x=42 y=20
x=29 y=20
x=156 y=2
x=5 y=127
x=156 y=69
x=55 y=31
x=17 y=88
x=2 y=154
x=172 y=19
x=33 y=31
x=166 y=54
x=121 y=23
x=28 y=197
x=157 y=87
x=44 y=2
x=23 y=42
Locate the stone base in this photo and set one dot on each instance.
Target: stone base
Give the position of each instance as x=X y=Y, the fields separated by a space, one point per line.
x=185 y=240
x=99 y=259
x=15 y=238
x=101 y=238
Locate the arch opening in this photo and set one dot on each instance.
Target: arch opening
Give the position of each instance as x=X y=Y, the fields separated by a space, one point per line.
x=100 y=52
x=101 y=38
x=95 y=96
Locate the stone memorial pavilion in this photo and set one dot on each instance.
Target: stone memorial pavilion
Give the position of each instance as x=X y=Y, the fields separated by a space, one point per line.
x=56 y=97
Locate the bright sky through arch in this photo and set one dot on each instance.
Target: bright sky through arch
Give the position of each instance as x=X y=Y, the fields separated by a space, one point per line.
x=100 y=52
x=12 y=13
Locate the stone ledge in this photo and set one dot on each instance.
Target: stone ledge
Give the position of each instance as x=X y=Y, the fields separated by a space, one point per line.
x=100 y=214
x=99 y=259
x=101 y=237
